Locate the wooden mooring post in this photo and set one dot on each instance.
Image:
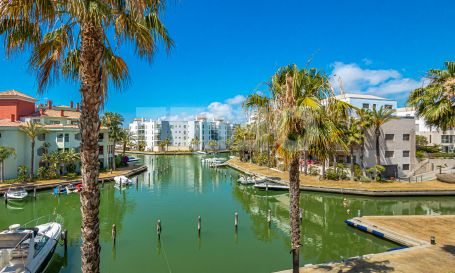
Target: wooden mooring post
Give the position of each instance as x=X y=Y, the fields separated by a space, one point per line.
x=34 y=193
x=65 y=240
x=236 y=221
x=158 y=229
x=114 y=234
x=199 y=223
x=269 y=217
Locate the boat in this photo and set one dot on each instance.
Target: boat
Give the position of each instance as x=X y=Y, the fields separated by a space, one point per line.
x=71 y=189
x=28 y=249
x=200 y=153
x=16 y=193
x=271 y=186
x=251 y=180
x=122 y=180
x=132 y=159
x=60 y=190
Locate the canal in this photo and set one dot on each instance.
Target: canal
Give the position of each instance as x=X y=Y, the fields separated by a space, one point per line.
x=180 y=190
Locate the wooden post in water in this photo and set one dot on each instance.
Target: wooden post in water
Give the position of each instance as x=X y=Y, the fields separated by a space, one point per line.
x=58 y=189
x=269 y=217
x=65 y=239
x=236 y=221
x=34 y=192
x=158 y=229
x=301 y=214
x=199 y=226
x=102 y=183
x=114 y=234
x=6 y=199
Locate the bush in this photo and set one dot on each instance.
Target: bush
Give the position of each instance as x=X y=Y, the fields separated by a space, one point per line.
x=429 y=149
x=22 y=173
x=364 y=179
x=42 y=173
x=420 y=154
x=71 y=175
x=313 y=170
x=338 y=174
x=442 y=155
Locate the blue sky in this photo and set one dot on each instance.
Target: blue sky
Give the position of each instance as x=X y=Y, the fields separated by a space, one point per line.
x=227 y=49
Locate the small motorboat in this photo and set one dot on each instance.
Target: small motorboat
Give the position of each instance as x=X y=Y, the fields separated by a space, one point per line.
x=71 y=189
x=122 y=181
x=28 y=249
x=132 y=159
x=16 y=193
x=79 y=187
x=60 y=190
x=200 y=153
x=250 y=180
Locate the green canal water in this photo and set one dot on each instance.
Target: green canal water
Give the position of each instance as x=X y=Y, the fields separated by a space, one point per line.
x=180 y=190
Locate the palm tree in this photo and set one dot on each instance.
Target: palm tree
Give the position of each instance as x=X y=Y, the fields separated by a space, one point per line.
x=73 y=39
x=126 y=138
x=166 y=143
x=212 y=144
x=5 y=153
x=379 y=118
x=70 y=159
x=365 y=122
x=435 y=102
x=194 y=142
x=353 y=137
x=113 y=121
x=32 y=130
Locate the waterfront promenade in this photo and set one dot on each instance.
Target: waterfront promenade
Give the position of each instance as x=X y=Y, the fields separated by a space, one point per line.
x=312 y=183
x=422 y=257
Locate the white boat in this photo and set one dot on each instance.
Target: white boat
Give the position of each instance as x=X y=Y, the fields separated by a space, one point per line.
x=132 y=159
x=16 y=193
x=71 y=189
x=28 y=249
x=245 y=180
x=200 y=152
x=122 y=181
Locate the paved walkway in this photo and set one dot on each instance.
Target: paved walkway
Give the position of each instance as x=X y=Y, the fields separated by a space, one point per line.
x=312 y=183
x=424 y=258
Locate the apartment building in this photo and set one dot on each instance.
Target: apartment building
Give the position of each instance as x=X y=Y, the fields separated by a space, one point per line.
x=397 y=140
x=61 y=123
x=182 y=133
x=434 y=136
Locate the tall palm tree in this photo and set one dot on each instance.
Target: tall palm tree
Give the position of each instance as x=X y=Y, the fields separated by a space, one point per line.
x=212 y=144
x=5 y=153
x=379 y=118
x=353 y=138
x=435 y=102
x=194 y=142
x=126 y=138
x=365 y=122
x=73 y=39
x=113 y=121
x=32 y=130
x=166 y=143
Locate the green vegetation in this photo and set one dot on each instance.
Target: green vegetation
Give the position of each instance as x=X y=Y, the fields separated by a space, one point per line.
x=32 y=130
x=113 y=121
x=5 y=153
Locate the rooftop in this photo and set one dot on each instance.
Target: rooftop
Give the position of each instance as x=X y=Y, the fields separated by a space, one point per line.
x=360 y=96
x=14 y=94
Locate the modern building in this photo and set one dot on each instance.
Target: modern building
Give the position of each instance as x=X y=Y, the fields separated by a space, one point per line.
x=397 y=140
x=182 y=135
x=434 y=136
x=61 y=123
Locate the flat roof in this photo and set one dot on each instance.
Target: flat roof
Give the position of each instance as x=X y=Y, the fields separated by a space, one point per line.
x=361 y=96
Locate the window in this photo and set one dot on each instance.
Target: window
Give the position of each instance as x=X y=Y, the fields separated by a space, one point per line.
x=74 y=122
x=365 y=106
x=59 y=137
x=41 y=137
x=67 y=137
x=54 y=122
x=389 y=136
x=405 y=167
x=100 y=137
x=387 y=106
x=405 y=153
x=406 y=137
x=101 y=149
x=40 y=151
x=389 y=154
x=374 y=106
x=77 y=136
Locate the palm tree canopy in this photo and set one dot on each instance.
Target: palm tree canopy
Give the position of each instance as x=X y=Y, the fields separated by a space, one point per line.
x=51 y=30
x=32 y=129
x=381 y=116
x=6 y=152
x=435 y=103
x=113 y=121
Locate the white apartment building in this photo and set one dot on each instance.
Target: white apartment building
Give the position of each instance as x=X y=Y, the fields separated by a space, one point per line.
x=397 y=140
x=61 y=123
x=434 y=136
x=182 y=133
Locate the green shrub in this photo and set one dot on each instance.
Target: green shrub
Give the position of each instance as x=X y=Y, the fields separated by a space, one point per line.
x=313 y=170
x=364 y=179
x=442 y=155
x=338 y=174
x=429 y=149
x=22 y=173
x=71 y=175
x=420 y=154
x=42 y=173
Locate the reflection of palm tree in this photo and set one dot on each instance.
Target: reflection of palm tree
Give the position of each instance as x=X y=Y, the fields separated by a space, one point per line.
x=113 y=122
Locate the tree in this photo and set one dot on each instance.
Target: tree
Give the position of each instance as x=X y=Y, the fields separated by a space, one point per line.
x=353 y=137
x=166 y=143
x=435 y=102
x=73 y=39
x=379 y=118
x=113 y=121
x=70 y=159
x=194 y=142
x=126 y=138
x=421 y=141
x=365 y=122
x=5 y=153
x=32 y=130
x=212 y=144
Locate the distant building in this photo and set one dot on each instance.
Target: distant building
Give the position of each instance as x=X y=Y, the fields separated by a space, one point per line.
x=182 y=135
x=61 y=122
x=397 y=140
x=434 y=136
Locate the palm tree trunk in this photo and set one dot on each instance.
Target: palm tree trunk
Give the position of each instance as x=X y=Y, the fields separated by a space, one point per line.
x=305 y=162
x=32 y=160
x=113 y=157
x=294 y=193
x=378 y=157
x=91 y=93
x=2 y=173
x=352 y=163
x=323 y=168
x=362 y=156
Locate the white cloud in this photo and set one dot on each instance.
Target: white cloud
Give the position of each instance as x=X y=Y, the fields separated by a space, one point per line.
x=236 y=100
x=354 y=79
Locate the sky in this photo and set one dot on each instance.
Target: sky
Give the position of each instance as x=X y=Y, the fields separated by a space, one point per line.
x=225 y=50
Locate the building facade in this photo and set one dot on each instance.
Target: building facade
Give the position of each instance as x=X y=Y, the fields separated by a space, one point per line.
x=434 y=136
x=397 y=140
x=60 y=122
x=182 y=135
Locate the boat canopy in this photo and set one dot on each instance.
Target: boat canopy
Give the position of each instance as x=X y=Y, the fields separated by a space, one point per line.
x=12 y=240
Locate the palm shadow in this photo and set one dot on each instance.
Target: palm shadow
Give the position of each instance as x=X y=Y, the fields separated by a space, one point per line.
x=361 y=266
x=449 y=248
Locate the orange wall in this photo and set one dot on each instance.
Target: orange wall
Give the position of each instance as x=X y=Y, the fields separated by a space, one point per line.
x=17 y=107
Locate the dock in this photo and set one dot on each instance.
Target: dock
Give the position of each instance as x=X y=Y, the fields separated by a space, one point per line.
x=49 y=184
x=414 y=232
